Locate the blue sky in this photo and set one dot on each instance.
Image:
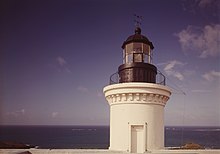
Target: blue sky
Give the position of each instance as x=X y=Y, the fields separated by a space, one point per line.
x=56 y=57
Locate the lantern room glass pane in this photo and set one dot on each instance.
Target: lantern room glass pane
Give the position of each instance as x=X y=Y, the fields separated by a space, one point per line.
x=138 y=57
x=137 y=47
x=129 y=58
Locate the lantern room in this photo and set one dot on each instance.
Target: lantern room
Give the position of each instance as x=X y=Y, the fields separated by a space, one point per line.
x=137 y=59
x=137 y=48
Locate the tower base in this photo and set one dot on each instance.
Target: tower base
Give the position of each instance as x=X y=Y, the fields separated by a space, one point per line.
x=136 y=116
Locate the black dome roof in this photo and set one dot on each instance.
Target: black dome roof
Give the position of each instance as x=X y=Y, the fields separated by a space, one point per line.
x=137 y=37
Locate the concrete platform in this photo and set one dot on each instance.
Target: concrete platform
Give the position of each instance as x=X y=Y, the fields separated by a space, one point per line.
x=98 y=151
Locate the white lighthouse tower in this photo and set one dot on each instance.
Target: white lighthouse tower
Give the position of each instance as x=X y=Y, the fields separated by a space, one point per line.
x=137 y=99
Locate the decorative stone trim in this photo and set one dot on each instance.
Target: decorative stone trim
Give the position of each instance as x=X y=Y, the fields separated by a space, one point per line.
x=137 y=98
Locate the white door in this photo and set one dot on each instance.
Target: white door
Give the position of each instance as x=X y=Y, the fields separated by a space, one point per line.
x=137 y=139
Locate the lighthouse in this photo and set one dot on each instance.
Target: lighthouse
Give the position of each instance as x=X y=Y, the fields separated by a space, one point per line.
x=137 y=95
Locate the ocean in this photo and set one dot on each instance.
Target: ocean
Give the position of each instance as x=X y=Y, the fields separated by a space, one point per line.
x=97 y=137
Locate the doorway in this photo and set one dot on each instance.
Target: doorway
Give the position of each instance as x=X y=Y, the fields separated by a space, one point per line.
x=137 y=139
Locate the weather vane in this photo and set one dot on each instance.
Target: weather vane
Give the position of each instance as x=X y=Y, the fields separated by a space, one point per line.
x=137 y=20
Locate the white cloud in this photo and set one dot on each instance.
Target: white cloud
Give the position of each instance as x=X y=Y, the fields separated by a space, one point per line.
x=171 y=64
x=171 y=70
x=200 y=91
x=82 y=89
x=68 y=70
x=189 y=73
x=22 y=111
x=16 y=113
x=61 y=61
x=63 y=64
x=99 y=94
x=206 y=7
x=212 y=75
x=205 y=41
x=205 y=3
x=54 y=114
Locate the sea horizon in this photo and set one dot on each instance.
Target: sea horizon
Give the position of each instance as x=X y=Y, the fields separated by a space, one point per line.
x=97 y=136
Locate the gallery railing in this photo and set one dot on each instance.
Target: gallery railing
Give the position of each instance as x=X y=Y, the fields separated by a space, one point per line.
x=160 y=78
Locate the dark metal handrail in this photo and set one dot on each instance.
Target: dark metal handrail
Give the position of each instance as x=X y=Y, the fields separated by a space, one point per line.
x=114 y=78
x=160 y=78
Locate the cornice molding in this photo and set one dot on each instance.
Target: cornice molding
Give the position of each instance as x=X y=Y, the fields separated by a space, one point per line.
x=137 y=98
